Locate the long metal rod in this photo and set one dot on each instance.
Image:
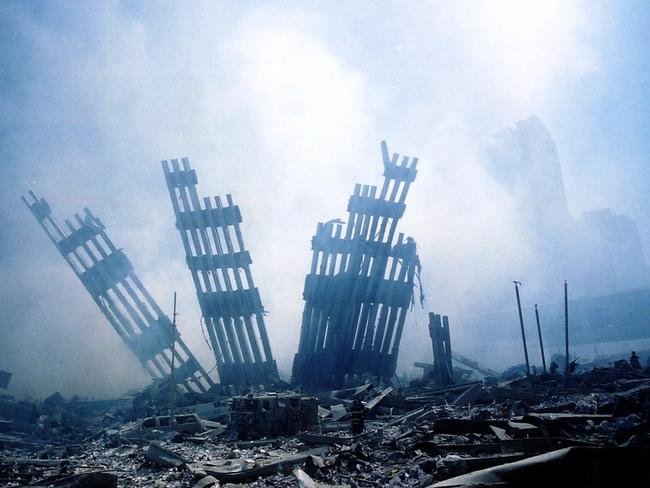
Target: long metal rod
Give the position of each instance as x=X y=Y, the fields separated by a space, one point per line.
x=172 y=386
x=521 y=323
x=541 y=342
x=566 y=330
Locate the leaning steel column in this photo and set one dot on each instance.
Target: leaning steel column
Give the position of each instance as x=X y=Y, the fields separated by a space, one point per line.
x=108 y=276
x=220 y=267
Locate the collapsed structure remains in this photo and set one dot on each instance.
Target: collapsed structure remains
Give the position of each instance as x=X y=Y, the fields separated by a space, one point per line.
x=452 y=427
x=109 y=277
x=442 y=370
x=360 y=285
x=220 y=268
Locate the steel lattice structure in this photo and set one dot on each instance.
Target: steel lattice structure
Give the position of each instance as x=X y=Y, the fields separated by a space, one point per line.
x=360 y=286
x=109 y=278
x=220 y=267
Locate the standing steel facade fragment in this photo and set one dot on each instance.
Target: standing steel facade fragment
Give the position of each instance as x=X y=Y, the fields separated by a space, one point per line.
x=109 y=277
x=443 y=372
x=220 y=267
x=360 y=286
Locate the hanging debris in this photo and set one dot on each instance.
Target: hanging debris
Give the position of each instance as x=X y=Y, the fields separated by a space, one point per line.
x=220 y=267
x=360 y=286
x=109 y=277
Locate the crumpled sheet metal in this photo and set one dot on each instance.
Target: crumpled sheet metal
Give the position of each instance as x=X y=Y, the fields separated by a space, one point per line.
x=238 y=470
x=592 y=467
x=163 y=457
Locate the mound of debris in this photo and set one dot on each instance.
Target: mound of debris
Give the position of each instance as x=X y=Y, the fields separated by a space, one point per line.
x=588 y=429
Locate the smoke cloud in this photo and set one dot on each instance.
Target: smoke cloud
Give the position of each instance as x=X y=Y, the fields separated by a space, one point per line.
x=282 y=105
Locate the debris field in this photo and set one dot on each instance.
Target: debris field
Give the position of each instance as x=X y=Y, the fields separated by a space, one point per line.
x=344 y=418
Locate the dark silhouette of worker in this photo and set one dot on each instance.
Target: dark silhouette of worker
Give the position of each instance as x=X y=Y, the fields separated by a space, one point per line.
x=357 y=414
x=553 y=369
x=634 y=361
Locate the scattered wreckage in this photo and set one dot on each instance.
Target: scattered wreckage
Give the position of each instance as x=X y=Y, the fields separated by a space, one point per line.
x=154 y=427
x=452 y=428
x=590 y=429
x=272 y=414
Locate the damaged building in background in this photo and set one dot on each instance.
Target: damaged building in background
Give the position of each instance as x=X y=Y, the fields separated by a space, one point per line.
x=360 y=285
x=599 y=252
x=109 y=277
x=220 y=266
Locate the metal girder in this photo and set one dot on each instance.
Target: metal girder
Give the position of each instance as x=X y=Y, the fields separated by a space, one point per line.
x=108 y=276
x=220 y=268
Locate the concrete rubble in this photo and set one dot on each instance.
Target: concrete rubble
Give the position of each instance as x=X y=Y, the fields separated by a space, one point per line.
x=490 y=432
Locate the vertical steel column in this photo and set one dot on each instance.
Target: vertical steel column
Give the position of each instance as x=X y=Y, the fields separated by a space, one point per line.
x=566 y=329
x=521 y=324
x=541 y=342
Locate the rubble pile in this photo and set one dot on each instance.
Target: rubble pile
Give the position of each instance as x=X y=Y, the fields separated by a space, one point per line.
x=508 y=433
x=587 y=427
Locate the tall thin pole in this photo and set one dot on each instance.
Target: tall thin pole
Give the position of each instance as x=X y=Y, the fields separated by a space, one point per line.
x=172 y=407
x=521 y=323
x=541 y=343
x=566 y=329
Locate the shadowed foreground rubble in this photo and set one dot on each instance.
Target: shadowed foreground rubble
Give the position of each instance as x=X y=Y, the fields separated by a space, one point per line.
x=590 y=429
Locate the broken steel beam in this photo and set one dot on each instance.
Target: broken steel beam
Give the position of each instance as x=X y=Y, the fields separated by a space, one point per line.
x=108 y=276
x=360 y=286
x=220 y=268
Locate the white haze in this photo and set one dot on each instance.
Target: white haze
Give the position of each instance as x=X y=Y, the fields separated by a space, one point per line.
x=283 y=105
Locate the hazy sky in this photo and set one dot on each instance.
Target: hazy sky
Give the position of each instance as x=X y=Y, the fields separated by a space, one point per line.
x=283 y=104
